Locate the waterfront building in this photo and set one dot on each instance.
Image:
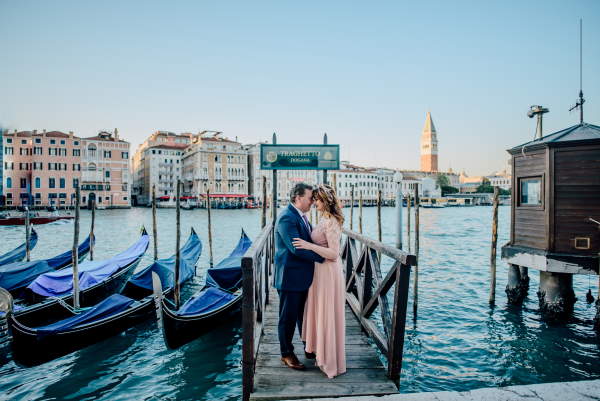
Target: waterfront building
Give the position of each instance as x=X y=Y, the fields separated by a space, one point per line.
x=158 y=161
x=217 y=163
x=429 y=146
x=501 y=179
x=105 y=175
x=364 y=180
x=40 y=168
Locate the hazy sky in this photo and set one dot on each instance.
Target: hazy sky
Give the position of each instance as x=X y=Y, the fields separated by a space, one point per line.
x=364 y=72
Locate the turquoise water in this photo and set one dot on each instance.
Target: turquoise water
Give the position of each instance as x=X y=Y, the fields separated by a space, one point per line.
x=457 y=343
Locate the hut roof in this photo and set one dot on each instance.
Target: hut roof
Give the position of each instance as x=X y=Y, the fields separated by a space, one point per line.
x=576 y=133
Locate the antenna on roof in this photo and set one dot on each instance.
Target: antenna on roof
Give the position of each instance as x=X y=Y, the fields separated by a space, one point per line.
x=539 y=111
x=581 y=101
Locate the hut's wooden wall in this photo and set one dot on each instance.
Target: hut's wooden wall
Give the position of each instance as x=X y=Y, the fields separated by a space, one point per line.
x=576 y=197
x=530 y=223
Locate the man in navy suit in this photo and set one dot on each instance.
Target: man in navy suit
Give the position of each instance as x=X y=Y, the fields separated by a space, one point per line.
x=294 y=269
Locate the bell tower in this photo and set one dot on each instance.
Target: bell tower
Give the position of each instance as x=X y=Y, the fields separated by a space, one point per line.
x=429 y=146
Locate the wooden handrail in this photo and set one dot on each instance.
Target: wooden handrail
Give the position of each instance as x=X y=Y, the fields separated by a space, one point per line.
x=256 y=273
x=367 y=289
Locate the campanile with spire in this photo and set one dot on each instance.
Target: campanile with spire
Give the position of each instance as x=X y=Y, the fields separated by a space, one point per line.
x=429 y=146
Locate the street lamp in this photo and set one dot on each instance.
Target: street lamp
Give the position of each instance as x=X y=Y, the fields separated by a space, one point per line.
x=398 y=180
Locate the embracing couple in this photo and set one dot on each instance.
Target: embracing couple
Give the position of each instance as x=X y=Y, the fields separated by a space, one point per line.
x=309 y=280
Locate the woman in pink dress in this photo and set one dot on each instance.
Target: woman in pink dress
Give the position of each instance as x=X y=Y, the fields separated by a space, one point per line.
x=324 y=327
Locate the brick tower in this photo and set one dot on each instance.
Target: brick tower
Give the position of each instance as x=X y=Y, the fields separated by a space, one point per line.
x=429 y=146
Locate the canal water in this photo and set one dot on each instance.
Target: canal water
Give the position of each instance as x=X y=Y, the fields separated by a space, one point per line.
x=457 y=343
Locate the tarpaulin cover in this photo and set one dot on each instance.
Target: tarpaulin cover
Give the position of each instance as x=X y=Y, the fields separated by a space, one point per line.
x=165 y=268
x=208 y=300
x=227 y=274
x=60 y=282
x=66 y=258
x=18 y=254
x=112 y=305
x=20 y=274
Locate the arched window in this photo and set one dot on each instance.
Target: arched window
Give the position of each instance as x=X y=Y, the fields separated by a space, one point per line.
x=92 y=150
x=8 y=182
x=38 y=182
x=91 y=167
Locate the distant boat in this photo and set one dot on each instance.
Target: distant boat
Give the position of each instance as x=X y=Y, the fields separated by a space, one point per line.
x=110 y=316
x=8 y=220
x=19 y=253
x=219 y=298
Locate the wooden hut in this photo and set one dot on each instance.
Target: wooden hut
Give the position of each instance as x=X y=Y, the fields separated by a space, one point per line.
x=555 y=214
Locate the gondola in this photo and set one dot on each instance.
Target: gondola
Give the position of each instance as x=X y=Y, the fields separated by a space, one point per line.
x=49 y=297
x=15 y=277
x=18 y=254
x=111 y=316
x=218 y=299
x=6 y=220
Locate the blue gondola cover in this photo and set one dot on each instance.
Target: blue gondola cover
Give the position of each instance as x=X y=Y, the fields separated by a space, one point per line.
x=227 y=274
x=18 y=254
x=207 y=300
x=60 y=282
x=114 y=304
x=19 y=274
x=165 y=268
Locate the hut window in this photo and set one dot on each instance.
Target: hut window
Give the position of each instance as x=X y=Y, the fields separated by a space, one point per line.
x=531 y=191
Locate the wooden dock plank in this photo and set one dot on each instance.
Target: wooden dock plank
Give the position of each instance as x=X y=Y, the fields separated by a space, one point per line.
x=365 y=373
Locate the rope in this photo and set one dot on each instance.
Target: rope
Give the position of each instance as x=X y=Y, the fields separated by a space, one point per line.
x=68 y=307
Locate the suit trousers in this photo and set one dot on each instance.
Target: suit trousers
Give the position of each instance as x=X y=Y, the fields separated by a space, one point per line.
x=291 y=314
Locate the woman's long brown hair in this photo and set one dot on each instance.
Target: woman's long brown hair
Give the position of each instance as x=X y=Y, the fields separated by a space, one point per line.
x=326 y=194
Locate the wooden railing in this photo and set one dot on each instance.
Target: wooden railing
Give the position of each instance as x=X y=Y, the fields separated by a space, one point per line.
x=367 y=289
x=257 y=265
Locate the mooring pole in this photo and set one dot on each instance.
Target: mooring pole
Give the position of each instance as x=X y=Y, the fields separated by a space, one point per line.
x=416 y=275
x=274 y=200
x=360 y=207
x=176 y=294
x=408 y=207
x=263 y=220
x=210 y=247
x=379 y=215
x=92 y=237
x=154 y=228
x=27 y=234
x=324 y=171
x=75 y=251
x=399 y=206
x=351 y=206
x=492 y=299
x=335 y=183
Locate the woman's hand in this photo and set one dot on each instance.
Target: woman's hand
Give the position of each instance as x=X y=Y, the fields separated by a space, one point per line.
x=299 y=243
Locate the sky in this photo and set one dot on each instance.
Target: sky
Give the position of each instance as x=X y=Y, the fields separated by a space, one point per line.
x=366 y=73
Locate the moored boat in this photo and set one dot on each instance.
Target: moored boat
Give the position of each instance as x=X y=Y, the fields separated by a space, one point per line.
x=18 y=254
x=8 y=220
x=110 y=316
x=218 y=299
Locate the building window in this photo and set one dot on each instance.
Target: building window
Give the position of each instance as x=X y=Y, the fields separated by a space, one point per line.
x=8 y=140
x=76 y=152
x=51 y=183
x=23 y=182
x=92 y=150
x=107 y=174
x=107 y=154
x=75 y=182
x=38 y=140
x=23 y=141
x=62 y=141
x=8 y=182
x=124 y=155
x=52 y=141
x=530 y=191
x=91 y=167
x=62 y=182
x=76 y=143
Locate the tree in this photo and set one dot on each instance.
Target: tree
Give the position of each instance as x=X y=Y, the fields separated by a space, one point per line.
x=447 y=189
x=442 y=181
x=485 y=187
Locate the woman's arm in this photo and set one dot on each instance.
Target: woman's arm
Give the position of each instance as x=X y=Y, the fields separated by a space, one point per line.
x=330 y=252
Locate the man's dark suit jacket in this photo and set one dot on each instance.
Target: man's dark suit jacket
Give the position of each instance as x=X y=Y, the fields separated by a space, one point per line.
x=294 y=268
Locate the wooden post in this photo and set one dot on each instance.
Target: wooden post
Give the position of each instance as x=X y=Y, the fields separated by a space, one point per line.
x=360 y=216
x=75 y=251
x=210 y=247
x=27 y=235
x=396 y=344
x=154 y=230
x=274 y=197
x=408 y=207
x=492 y=299
x=416 y=279
x=379 y=215
x=324 y=171
x=92 y=237
x=335 y=183
x=263 y=220
x=176 y=294
x=351 y=206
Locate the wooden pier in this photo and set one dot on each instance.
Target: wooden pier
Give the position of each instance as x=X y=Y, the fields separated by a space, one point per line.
x=264 y=375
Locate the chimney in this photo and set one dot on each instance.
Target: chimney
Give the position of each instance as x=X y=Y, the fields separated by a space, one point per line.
x=44 y=131
x=116 y=134
x=34 y=132
x=71 y=134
